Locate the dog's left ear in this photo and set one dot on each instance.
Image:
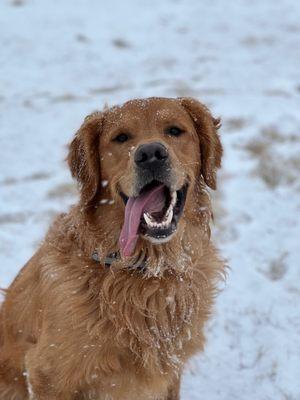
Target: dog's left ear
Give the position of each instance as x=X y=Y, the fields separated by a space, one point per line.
x=84 y=158
x=210 y=145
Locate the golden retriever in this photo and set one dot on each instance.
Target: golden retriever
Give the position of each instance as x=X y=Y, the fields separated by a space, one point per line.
x=114 y=302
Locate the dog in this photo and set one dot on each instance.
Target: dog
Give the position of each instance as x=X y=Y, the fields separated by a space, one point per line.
x=114 y=302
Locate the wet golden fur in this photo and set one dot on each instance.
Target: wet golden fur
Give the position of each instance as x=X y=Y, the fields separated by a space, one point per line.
x=76 y=330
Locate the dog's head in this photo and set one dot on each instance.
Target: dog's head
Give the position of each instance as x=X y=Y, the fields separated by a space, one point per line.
x=151 y=155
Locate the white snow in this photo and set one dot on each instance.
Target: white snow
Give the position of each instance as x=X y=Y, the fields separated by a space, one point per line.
x=61 y=60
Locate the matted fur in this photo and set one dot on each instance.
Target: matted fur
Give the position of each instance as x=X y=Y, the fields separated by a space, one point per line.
x=71 y=328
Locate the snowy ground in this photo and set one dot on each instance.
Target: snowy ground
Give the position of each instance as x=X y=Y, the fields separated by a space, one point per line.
x=60 y=60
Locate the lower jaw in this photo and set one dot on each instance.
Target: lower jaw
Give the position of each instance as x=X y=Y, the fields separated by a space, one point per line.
x=158 y=240
x=157 y=235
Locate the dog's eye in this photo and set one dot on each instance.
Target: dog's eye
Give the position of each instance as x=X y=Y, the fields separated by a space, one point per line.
x=121 y=138
x=174 y=131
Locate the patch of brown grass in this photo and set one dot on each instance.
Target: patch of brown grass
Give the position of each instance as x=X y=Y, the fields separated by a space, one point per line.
x=62 y=191
x=272 y=167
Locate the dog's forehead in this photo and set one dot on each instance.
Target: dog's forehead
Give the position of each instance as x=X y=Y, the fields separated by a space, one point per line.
x=151 y=110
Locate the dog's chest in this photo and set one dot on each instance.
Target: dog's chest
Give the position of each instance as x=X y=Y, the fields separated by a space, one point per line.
x=149 y=326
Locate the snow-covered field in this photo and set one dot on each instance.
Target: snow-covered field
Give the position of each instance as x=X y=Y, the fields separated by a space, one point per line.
x=59 y=60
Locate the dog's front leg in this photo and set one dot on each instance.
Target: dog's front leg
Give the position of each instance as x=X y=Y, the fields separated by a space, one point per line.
x=44 y=382
x=42 y=389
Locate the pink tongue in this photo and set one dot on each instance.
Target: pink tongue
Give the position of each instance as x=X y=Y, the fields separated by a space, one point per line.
x=151 y=201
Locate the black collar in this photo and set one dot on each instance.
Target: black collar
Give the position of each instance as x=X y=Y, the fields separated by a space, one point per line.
x=109 y=259
x=140 y=264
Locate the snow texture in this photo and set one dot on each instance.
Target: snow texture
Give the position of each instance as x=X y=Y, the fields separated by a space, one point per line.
x=61 y=60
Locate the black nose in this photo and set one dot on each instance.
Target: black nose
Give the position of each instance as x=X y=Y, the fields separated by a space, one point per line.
x=151 y=155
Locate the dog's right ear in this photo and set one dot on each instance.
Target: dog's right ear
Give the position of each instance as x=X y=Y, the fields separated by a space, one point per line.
x=84 y=158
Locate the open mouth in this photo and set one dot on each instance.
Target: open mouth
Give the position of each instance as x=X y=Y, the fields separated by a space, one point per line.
x=154 y=213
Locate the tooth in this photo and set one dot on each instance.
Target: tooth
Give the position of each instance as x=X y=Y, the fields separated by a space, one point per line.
x=148 y=219
x=168 y=211
x=169 y=217
x=174 y=198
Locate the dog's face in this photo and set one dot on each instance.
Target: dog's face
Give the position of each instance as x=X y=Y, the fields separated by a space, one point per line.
x=152 y=153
